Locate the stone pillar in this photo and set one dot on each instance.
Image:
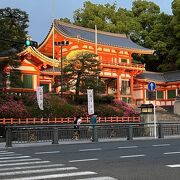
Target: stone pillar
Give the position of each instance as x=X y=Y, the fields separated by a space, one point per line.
x=177 y=105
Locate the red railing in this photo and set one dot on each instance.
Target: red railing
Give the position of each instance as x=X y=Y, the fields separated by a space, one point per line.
x=21 y=121
x=132 y=65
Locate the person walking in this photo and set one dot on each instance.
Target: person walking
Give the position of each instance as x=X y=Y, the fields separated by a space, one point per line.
x=77 y=123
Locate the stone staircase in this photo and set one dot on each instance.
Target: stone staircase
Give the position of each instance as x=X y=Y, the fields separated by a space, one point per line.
x=164 y=114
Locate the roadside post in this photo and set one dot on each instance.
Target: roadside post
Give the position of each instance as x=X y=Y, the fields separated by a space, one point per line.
x=8 y=137
x=152 y=97
x=55 y=136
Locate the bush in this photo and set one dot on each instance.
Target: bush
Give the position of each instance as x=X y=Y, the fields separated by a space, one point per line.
x=12 y=108
x=107 y=110
x=128 y=110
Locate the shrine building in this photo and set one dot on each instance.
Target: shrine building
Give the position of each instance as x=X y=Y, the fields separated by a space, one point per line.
x=124 y=79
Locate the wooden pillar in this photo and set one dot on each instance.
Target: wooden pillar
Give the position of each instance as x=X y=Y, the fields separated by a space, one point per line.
x=132 y=88
x=118 y=86
x=117 y=57
x=144 y=92
x=130 y=57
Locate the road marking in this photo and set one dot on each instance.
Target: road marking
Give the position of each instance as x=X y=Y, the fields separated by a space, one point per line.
x=24 y=163
x=99 y=178
x=81 y=173
x=20 y=160
x=31 y=167
x=37 y=171
x=127 y=147
x=83 y=160
x=172 y=153
x=10 y=155
x=50 y=152
x=160 y=145
x=18 y=157
x=2 y=153
x=173 y=165
x=132 y=156
x=96 y=149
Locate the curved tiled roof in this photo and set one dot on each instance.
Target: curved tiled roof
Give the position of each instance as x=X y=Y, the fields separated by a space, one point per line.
x=171 y=76
x=41 y=56
x=105 y=38
x=55 y=69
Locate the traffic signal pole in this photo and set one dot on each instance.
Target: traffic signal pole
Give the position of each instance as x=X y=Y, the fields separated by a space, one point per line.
x=155 y=120
x=152 y=96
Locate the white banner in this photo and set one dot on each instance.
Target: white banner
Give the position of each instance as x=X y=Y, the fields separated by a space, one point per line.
x=90 y=97
x=39 y=93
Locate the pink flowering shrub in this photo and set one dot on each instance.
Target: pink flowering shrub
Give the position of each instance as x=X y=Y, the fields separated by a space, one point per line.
x=107 y=110
x=128 y=110
x=12 y=108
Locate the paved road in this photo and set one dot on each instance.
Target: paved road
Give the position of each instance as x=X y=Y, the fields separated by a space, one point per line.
x=125 y=160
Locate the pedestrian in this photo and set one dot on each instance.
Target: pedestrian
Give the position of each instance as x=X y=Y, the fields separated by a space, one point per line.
x=93 y=120
x=77 y=123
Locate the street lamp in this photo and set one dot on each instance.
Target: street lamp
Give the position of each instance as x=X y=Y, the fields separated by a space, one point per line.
x=61 y=44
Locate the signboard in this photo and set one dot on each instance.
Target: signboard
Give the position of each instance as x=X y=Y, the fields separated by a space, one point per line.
x=151 y=95
x=90 y=98
x=39 y=94
x=151 y=86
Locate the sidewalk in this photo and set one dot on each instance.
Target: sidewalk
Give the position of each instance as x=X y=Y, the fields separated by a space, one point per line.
x=3 y=144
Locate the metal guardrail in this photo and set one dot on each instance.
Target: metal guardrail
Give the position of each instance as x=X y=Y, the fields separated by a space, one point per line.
x=66 y=132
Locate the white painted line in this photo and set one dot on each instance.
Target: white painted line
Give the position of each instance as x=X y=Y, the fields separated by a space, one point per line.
x=96 y=149
x=99 y=178
x=18 y=157
x=173 y=165
x=83 y=173
x=24 y=163
x=37 y=171
x=132 y=156
x=20 y=160
x=10 y=155
x=1 y=153
x=31 y=167
x=160 y=145
x=50 y=152
x=172 y=153
x=83 y=160
x=127 y=147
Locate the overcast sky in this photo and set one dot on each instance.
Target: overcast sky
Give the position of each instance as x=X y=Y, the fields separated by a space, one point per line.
x=41 y=12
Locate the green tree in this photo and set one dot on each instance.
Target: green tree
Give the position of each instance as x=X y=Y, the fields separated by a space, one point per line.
x=96 y=14
x=81 y=72
x=174 y=54
x=13 y=24
x=145 y=25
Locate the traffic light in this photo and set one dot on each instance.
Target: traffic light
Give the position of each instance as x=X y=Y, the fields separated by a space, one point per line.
x=31 y=43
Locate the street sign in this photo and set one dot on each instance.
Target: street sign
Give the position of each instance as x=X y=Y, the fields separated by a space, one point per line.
x=151 y=86
x=151 y=95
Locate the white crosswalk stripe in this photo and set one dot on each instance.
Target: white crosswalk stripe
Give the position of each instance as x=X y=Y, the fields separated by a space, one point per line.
x=174 y=165
x=3 y=155
x=19 y=167
x=99 y=178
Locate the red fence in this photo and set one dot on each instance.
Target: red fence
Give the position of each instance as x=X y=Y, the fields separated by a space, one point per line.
x=66 y=120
